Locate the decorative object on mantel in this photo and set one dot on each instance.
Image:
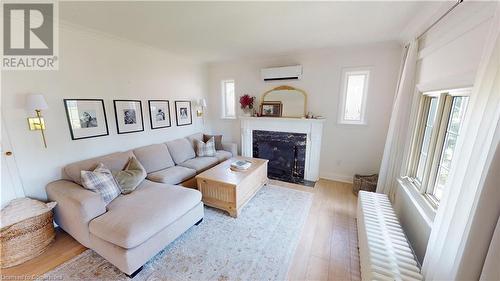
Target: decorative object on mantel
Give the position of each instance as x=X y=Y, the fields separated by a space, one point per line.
x=366 y=183
x=293 y=100
x=27 y=230
x=37 y=103
x=271 y=109
x=310 y=115
x=86 y=118
x=246 y=104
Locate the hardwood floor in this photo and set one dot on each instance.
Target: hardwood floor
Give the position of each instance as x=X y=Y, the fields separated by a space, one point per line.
x=63 y=249
x=327 y=249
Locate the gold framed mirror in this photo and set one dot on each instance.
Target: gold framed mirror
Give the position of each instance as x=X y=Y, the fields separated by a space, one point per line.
x=293 y=100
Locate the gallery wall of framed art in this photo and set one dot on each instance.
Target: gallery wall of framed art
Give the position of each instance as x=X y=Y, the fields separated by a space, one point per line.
x=183 y=113
x=86 y=118
x=128 y=116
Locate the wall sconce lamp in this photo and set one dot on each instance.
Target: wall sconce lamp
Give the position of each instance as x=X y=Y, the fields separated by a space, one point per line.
x=37 y=103
x=202 y=104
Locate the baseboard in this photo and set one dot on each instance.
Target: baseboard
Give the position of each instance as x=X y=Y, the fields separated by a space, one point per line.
x=335 y=177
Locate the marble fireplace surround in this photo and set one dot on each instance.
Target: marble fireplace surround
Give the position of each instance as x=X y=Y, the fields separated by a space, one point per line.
x=313 y=128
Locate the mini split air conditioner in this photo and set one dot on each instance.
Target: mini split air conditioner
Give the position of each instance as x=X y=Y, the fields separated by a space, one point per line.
x=282 y=73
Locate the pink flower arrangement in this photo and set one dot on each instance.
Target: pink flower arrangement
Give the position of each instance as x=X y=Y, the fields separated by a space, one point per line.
x=246 y=101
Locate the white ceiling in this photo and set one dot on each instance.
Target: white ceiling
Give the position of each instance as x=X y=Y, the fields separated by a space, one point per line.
x=211 y=31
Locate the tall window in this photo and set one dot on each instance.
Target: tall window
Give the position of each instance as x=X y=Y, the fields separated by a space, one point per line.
x=440 y=119
x=228 y=99
x=353 y=99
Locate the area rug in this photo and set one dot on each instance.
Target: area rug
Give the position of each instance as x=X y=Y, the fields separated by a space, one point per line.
x=258 y=245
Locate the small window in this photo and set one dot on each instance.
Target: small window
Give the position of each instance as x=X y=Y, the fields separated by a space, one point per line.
x=228 y=99
x=439 y=124
x=353 y=99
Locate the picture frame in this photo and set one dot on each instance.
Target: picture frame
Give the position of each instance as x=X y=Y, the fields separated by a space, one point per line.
x=86 y=118
x=159 y=114
x=128 y=116
x=183 y=113
x=271 y=109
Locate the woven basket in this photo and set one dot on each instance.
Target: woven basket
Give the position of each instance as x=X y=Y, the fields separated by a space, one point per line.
x=29 y=237
x=366 y=183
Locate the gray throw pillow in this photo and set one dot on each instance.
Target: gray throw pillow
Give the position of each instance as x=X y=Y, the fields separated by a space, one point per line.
x=101 y=180
x=218 y=140
x=133 y=174
x=205 y=148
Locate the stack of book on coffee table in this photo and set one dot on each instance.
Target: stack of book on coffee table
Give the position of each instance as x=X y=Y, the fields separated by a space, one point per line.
x=240 y=165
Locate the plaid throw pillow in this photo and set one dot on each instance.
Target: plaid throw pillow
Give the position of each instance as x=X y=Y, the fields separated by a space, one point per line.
x=205 y=148
x=101 y=180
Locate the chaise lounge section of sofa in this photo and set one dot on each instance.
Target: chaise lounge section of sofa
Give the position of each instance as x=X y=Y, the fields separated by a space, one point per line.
x=134 y=227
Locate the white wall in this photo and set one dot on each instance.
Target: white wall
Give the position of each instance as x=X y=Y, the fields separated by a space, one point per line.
x=346 y=149
x=93 y=65
x=448 y=58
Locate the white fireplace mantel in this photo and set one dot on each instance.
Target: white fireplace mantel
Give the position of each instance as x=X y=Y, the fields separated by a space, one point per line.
x=313 y=128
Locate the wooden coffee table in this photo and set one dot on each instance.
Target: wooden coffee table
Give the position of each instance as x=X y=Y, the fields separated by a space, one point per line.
x=229 y=190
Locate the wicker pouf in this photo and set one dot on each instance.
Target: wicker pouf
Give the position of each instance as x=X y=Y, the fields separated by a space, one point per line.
x=366 y=183
x=27 y=230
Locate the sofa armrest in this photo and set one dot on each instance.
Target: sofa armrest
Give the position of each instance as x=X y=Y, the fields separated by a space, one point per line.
x=75 y=208
x=230 y=147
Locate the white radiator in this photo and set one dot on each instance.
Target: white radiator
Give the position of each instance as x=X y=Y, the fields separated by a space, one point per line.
x=383 y=248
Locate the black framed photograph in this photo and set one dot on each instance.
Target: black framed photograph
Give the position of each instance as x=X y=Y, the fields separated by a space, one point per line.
x=183 y=113
x=271 y=108
x=128 y=114
x=159 y=114
x=86 y=118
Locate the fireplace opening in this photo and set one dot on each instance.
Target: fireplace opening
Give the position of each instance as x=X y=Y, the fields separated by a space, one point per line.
x=286 y=153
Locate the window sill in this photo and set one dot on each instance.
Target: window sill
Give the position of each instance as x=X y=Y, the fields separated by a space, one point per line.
x=356 y=123
x=422 y=204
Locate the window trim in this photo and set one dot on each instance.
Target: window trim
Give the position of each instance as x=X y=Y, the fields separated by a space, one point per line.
x=436 y=144
x=223 y=99
x=343 y=95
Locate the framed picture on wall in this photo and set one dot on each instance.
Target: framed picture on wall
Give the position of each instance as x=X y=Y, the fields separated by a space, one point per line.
x=128 y=114
x=183 y=113
x=159 y=114
x=86 y=118
x=271 y=109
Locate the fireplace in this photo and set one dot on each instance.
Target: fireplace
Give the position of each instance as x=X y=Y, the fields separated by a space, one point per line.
x=286 y=153
x=311 y=128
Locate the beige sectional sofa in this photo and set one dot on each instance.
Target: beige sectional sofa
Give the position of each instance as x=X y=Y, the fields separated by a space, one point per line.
x=134 y=227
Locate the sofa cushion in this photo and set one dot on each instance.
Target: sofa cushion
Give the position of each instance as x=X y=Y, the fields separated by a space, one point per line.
x=218 y=140
x=134 y=218
x=181 y=150
x=133 y=174
x=200 y=164
x=195 y=137
x=172 y=175
x=101 y=180
x=223 y=155
x=205 y=148
x=154 y=157
x=114 y=162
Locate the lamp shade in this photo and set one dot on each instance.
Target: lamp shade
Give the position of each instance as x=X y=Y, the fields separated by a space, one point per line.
x=36 y=102
x=203 y=102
